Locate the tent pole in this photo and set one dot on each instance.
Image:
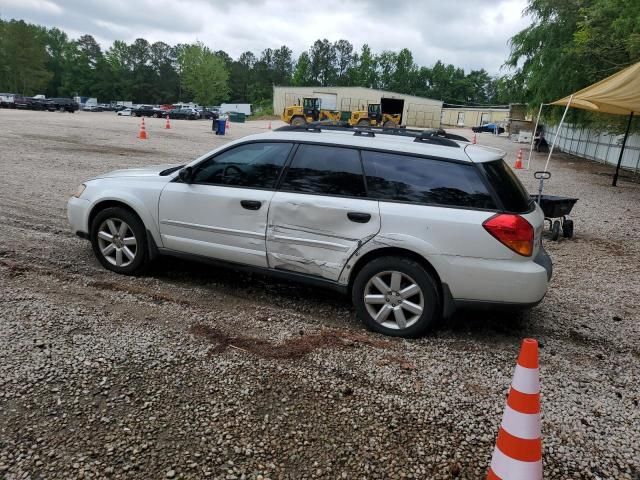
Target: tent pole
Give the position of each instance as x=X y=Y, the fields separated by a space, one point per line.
x=533 y=137
x=624 y=142
x=558 y=132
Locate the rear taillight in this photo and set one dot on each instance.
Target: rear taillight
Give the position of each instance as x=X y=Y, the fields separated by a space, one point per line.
x=512 y=231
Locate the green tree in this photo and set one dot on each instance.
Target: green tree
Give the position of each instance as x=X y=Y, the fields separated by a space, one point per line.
x=344 y=61
x=56 y=45
x=364 y=73
x=386 y=64
x=573 y=43
x=302 y=72
x=23 y=58
x=323 y=63
x=203 y=74
x=404 y=79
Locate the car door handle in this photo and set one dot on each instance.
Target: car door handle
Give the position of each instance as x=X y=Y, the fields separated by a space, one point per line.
x=359 y=217
x=251 y=204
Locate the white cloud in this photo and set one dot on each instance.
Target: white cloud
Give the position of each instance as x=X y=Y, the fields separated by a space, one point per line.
x=466 y=33
x=31 y=5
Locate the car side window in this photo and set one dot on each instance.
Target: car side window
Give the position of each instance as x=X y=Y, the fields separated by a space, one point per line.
x=253 y=165
x=423 y=180
x=325 y=170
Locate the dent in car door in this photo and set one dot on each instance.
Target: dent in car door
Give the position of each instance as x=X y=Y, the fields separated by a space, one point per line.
x=320 y=216
x=314 y=234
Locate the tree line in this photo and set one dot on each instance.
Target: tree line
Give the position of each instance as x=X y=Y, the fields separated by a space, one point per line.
x=34 y=59
x=569 y=45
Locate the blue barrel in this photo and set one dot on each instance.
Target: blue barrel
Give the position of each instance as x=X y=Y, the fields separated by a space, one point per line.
x=221 y=125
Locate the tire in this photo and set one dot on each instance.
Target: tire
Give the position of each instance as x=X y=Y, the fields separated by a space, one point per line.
x=298 y=122
x=388 y=124
x=423 y=299
x=363 y=123
x=555 y=230
x=567 y=228
x=155 y=115
x=109 y=221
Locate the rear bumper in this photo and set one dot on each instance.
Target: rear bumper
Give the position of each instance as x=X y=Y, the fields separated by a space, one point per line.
x=496 y=284
x=544 y=260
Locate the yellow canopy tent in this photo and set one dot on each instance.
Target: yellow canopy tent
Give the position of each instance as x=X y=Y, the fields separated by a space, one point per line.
x=618 y=94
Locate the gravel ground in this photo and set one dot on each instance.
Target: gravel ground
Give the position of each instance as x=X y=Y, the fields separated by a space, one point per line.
x=192 y=372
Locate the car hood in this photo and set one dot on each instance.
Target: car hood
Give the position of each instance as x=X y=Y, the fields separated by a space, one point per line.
x=150 y=171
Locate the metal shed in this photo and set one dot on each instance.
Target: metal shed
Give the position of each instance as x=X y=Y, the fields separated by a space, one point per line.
x=461 y=116
x=415 y=111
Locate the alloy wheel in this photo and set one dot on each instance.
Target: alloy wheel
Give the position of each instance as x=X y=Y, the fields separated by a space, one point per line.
x=117 y=242
x=394 y=299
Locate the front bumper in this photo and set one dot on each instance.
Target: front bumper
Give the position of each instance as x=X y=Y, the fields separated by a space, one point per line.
x=78 y=216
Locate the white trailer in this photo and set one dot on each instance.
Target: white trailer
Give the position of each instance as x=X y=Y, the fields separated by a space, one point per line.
x=7 y=100
x=236 y=107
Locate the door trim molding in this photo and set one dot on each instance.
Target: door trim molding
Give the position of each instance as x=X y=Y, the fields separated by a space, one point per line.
x=309 y=242
x=209 y=228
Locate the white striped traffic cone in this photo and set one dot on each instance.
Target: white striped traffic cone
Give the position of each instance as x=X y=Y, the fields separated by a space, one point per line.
x=518 y=451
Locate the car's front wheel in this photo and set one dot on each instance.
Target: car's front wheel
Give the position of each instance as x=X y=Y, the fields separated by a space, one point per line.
x=396 y=296
x=118 y=238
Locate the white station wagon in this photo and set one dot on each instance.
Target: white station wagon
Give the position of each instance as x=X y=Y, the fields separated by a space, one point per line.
x=411 y=224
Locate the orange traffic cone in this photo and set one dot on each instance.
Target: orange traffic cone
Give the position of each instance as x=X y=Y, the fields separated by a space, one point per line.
x=474 y=139
x=518 y=164
x=518 y=451
x=142 y=134
x=269 y=127
x=167 y=125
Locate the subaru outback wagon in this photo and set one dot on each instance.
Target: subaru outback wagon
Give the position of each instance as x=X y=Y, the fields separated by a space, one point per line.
x=412 y=225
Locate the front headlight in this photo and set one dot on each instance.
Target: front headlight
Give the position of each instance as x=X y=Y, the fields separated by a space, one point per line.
x=79 y=190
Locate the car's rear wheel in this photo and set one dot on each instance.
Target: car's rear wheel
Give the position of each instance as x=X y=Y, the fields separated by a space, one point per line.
x=119 y=240
x=363 y=123
x=389 y=124
x=396 y=296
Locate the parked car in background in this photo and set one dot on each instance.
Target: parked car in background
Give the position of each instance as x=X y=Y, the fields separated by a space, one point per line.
x=125 y=112
x=117 y=108
x=107 y=107
x=211 y=114
x=488 y=128
x=92 y=108
x=184 y=114
x=29 y=103
x=410 y=224
x=62 y=105
x=147 y=111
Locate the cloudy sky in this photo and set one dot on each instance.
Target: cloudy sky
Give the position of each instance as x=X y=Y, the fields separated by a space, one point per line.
x=468 y=33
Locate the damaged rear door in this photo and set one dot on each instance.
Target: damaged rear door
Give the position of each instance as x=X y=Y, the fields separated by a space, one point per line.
x=320 y=215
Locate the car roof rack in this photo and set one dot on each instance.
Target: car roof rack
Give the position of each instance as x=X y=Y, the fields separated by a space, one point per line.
x=433 y=136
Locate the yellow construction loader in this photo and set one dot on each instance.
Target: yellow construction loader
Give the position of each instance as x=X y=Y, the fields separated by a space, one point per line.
x=373 y=117
x=309 y=111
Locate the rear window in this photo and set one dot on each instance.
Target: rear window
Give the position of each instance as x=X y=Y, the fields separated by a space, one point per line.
x=510 y=191
x=422 y=180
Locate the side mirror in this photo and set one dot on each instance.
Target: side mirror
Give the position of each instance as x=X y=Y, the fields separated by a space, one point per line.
x=186 y=175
